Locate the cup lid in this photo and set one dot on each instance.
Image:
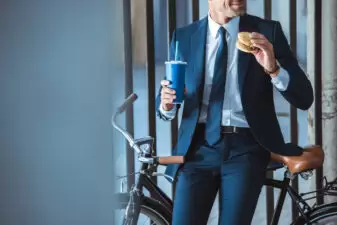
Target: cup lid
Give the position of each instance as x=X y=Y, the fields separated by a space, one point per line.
x=176 y=62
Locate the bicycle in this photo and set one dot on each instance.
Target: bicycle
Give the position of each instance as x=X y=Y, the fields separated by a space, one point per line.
x=158 y=207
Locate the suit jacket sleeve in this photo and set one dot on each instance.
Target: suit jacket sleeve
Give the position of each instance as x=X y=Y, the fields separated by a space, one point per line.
x=158 y=111
x=299 y=92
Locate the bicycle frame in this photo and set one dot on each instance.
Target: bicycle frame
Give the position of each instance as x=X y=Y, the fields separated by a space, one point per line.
x=285 y=188
x=144 y=181
x=136 y=196
x=284 y=185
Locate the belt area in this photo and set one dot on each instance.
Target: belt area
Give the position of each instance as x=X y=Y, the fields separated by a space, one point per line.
x=229 y=129
x=235 y=130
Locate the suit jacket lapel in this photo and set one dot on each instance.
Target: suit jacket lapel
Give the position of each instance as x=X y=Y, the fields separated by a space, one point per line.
x=244 y=58
x=197 y=54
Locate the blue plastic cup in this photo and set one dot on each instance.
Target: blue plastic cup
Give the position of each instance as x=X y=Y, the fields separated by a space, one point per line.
x=175 y=73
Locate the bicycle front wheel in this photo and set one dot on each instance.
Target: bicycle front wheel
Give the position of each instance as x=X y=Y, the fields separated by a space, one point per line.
x=323 y=215
x=151 y=212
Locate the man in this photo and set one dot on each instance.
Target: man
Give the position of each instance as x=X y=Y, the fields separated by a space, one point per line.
x=229 y=125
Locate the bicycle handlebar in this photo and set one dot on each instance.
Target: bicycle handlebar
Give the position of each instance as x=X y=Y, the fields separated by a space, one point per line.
x=129 y=101
x=160 y=160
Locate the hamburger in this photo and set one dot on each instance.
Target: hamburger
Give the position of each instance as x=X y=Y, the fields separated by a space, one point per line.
x=243 y=42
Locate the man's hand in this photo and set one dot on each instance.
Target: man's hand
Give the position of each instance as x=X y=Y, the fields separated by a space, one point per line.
x=167 y=96
x=265 y=53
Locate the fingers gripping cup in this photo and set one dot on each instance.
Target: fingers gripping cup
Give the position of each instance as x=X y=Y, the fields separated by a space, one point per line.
x=175 y=73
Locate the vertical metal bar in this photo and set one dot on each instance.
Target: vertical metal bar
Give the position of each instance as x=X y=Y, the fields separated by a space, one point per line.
x=171 y=27
x=293 y=110
x=151 y=79
x=267 y=9
x=171 y=24
x=270 y=174
x=130 y=159
x=318 y=89
x=195 y=10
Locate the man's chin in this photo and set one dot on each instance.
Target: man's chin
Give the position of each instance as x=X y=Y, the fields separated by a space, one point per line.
x=238 y=12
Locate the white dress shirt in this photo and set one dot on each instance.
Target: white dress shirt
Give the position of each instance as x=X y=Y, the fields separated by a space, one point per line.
x=232 y=112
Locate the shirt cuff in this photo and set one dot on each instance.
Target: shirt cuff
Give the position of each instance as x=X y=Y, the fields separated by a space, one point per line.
x=168 y=114
x=281 y=81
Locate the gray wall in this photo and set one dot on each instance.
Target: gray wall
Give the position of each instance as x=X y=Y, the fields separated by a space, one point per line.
x=56 y=70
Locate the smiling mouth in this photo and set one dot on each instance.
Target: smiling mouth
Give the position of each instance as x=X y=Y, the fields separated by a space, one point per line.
x=237 y=3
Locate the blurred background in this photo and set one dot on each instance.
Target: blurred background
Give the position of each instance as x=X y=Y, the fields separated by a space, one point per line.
x=66 y=65
x=57 y=67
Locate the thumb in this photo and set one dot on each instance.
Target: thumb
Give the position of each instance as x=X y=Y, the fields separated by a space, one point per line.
x=255 y=52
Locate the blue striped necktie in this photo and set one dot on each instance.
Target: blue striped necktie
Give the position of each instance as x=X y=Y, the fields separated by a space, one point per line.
x=215 y=104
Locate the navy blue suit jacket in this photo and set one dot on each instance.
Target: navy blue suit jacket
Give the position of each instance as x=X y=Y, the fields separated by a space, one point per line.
x=255 y=86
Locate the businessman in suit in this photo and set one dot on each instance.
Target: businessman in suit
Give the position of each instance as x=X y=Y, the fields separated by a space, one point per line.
x=229 y=125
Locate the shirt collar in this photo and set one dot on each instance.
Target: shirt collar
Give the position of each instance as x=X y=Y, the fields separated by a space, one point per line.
x=232 y=27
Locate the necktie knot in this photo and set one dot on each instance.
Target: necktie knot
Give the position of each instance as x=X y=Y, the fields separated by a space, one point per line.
x=222 y=32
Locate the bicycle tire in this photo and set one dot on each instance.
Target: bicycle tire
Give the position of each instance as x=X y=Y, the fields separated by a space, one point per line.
x=324 y=214
x=149 y=207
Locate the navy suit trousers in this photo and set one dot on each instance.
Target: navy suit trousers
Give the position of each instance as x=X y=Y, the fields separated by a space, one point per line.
x=235 y=167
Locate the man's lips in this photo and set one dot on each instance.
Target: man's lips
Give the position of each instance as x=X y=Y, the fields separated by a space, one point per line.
x=237 y=3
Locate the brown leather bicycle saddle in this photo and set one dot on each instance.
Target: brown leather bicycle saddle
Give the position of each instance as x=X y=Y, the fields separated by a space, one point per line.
x=311 y=158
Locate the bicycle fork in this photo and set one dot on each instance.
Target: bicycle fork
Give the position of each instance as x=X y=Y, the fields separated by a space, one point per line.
x=132 y=210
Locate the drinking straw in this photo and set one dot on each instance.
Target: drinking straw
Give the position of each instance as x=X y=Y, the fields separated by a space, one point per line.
x=176 y=53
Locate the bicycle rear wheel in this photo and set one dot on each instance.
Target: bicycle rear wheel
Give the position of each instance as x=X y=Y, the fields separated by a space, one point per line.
x=151 y=212
x=324 y=215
